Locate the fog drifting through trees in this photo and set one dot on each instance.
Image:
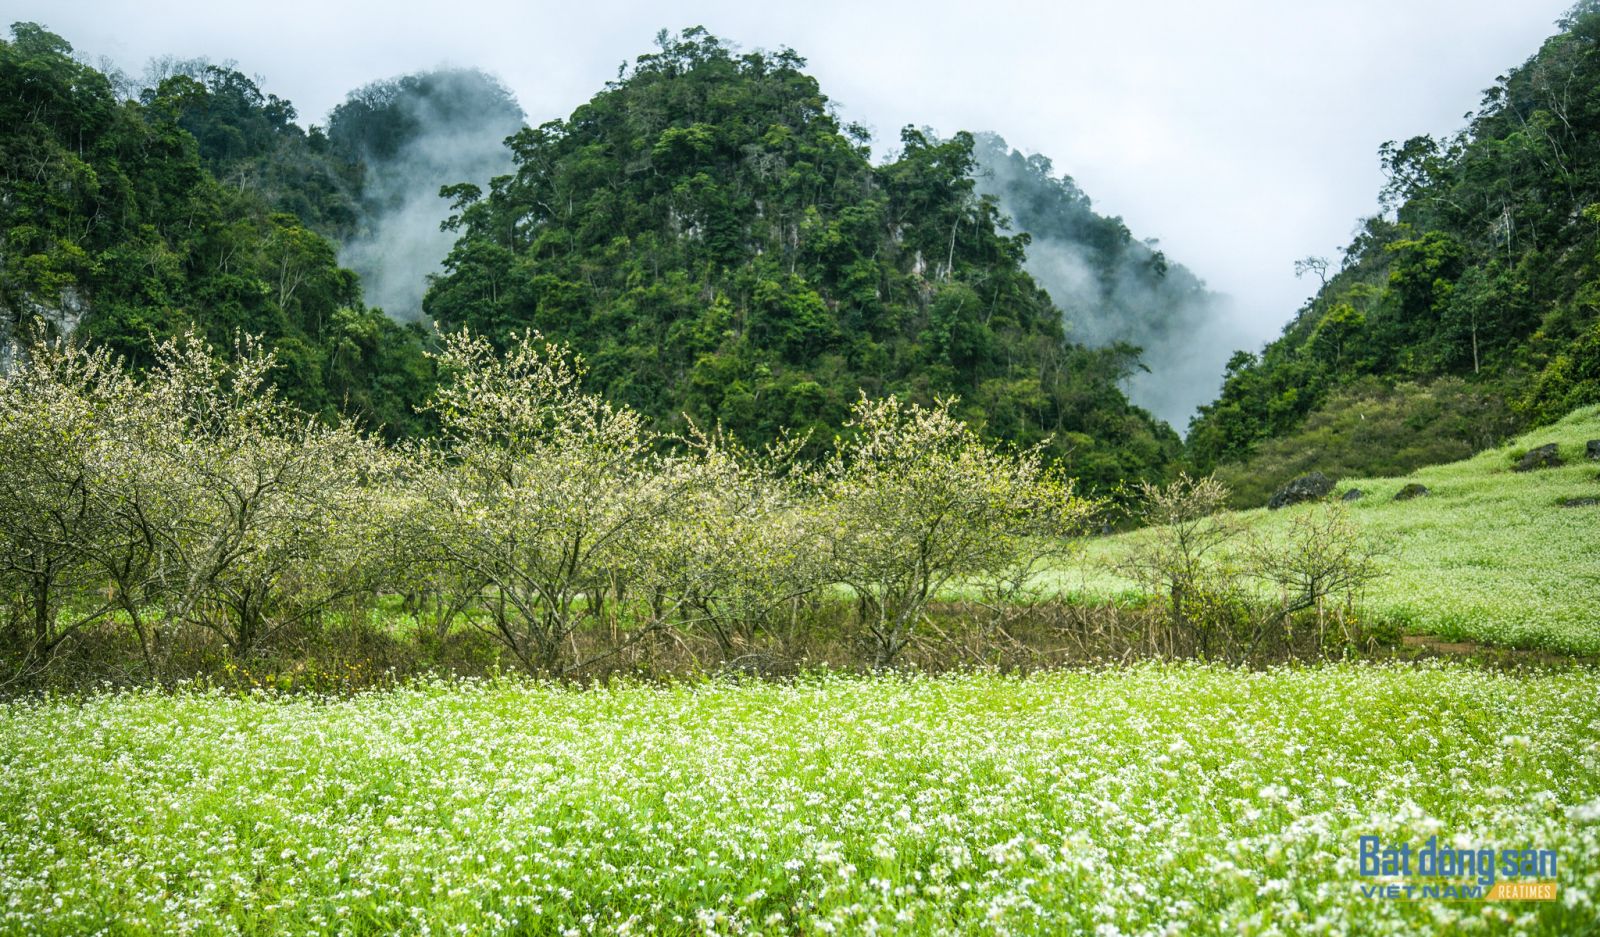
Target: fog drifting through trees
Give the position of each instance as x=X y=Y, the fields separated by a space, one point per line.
x=1113 y=288
x=414 y=135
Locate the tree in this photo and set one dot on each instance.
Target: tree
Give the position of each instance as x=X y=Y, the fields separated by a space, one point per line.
x=547 y=495
x=56 y=408
x=1339 y=330
x=1312 y=264
x=271 y=528
x=913 y=501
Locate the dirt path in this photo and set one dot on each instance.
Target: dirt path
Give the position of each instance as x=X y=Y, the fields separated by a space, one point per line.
x=1432 y=645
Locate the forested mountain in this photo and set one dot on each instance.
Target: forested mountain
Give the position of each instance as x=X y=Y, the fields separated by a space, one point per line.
x=197 y=205
x=1111 y=287
x=715 y=243
x=1484 y=267
x=703 y=231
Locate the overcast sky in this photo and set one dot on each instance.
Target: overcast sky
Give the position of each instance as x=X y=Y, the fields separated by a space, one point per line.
x=1241 y=134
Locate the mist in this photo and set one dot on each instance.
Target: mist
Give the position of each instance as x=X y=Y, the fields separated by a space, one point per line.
x=1112 y=287
x=412 y=135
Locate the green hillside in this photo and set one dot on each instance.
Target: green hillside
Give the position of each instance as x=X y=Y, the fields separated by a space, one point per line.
x=707 y=234
x=1113 y=287
x=1483 y=265
x=704 y=231
x=1490 y=555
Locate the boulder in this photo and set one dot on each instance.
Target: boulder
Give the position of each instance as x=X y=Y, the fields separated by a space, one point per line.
x=1592 y=450
x=1539 y=457
x=1311 y=487
x=1353 y=495
x=1412 y=490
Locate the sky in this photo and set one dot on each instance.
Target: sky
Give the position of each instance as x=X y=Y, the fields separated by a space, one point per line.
x=1242 y=134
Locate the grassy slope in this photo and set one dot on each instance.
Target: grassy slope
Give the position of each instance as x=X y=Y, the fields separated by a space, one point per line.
x=1488 y=556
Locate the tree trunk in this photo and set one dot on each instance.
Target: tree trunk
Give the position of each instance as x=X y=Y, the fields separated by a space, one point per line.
x=41 y=613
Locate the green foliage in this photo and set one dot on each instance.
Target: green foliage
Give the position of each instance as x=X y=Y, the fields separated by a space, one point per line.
x=1571 y=379
x=1485 y=270
x=1370 y=428
x=716 y=246
x=136 y=221
x=745 y=548
x=248 y=140
x=1182 y=558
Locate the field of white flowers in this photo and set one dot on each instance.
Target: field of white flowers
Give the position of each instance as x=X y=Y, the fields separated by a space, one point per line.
x=1146 y=800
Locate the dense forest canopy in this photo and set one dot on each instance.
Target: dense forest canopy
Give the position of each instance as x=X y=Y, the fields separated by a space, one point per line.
x=198 y=204
x=714 y=242
x=1484 y=266
x=703 y=231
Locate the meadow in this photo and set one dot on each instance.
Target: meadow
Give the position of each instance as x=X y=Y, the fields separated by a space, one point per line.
x=1489 y=555
x=1154 y=799
x=175 y=544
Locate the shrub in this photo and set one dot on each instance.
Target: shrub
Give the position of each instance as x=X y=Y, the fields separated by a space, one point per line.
x=1372 y=429
x=1183 y=556
x=1226 y=592
x=1321 y=564
x=1569 y=381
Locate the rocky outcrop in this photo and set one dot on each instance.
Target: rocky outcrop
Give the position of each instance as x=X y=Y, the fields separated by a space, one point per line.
x=1545 y=456
x=1313 y=487
x=1412 y=490
x=59 y=319
x=1592 y=450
